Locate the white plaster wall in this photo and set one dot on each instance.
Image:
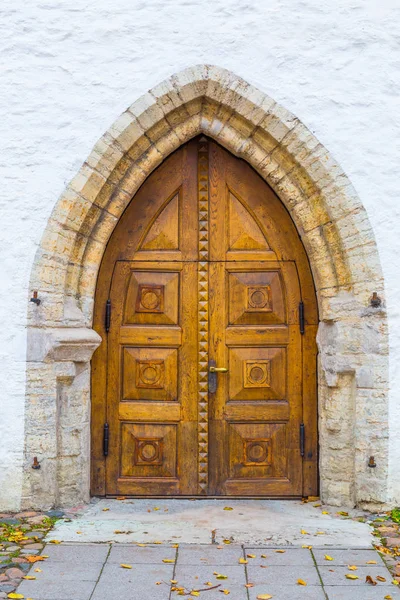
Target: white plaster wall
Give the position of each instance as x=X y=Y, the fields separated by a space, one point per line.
x=70 y=68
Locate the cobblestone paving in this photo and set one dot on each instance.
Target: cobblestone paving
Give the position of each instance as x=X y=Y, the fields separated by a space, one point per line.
x=163 y=572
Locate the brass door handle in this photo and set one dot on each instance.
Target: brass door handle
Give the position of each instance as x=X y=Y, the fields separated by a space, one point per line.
x=218 y=369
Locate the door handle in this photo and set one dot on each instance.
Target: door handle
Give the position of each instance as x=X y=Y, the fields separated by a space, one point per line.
x=212 y=376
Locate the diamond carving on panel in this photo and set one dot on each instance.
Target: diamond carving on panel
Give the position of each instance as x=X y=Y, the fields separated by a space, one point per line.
x=257 y=452
x=150 y=374
x=148 y=451
x=257 y=373
x=259 y=299
x=150 y=299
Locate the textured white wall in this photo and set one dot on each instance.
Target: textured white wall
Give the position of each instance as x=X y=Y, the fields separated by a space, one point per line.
x=70 y=68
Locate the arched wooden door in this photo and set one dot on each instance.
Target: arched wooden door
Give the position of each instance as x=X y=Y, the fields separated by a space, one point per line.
x=205 y=383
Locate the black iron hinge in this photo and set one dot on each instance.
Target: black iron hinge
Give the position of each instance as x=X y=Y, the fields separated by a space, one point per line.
x=301 y=317
x=108 y=315
x=106 y=439
x=302 y=438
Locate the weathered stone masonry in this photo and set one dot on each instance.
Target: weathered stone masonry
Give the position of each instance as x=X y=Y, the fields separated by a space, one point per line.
x=332 y=223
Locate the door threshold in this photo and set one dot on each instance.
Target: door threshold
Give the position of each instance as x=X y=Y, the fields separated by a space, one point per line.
x=148 y=497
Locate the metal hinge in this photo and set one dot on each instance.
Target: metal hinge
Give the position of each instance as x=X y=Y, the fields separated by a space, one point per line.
x=302 y=438
x=108 y=315
x=106 y=439
x=301 y=317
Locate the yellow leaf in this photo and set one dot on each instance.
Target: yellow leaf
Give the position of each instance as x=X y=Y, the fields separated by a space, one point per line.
x=264 y=596
x=371 y=562
x=280 y=551
x=395 y=582
x=308 y=547
x=263 y=556
x=243 y=561
x=343 y=513
x=168 y=560
x=249 y=585
x=327 y=557
x=175 y=546
x=352 y=568
x=173 y=581
x=220 y=576
x=158 y=582
x=226 y=592
x=301 y=582
x=126 y=566
x=251 y=556
x=208 y=583
x=54 y=542
x=388 y=597
x=105 y=509
x=14 y=595
x=156 y=508
x=157 y=542
x=325 y=512
x=227 y=541
x=228 y=508
x=79 y=532
x=142 y=545
x=350 y=576
x=320 y=533
x=29 y=577
x=195 y=593
x=38 y=570
x=304 y=532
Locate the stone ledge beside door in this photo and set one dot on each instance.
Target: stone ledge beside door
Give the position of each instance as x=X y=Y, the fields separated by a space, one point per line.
x=72 y=344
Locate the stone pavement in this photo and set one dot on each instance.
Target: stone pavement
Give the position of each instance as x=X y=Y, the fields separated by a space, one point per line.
x=168 y=571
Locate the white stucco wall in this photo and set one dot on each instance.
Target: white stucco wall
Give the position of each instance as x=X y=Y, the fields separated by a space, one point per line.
x=69 y=69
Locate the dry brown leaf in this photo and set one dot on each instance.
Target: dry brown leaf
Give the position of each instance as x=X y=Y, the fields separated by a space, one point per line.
x=264 y=596
x=301 y=582
x=263 y=556
x=369 y=580
x=251 y=556
x=249 y=585
x=33 y=559
x=351 y=576
x=280 y=551
x=158 y=582
x=380 y=578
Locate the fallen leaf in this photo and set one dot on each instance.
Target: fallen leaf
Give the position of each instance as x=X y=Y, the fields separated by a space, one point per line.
x=156 y=508
x=249 y=585
x=226 y=592
x=142 y=545
x=317 y=505
x=350 y=576
x=304 y=532
x=105 y=509
x=228 y=508
x=175 y=546
x=352 y=567
x=251 y=556
x=369 y=580
x=227 y=541
x=280 y=551
x=195 y=593
x=301 y=582
x=33 y=559
x=54 y=542
x=307 y=547
x=38 y=570
x=380 y=578
x=121 y=498
x=158 y=582
x=79 y=532
x=325 y=512
x=395 y=582
x=14 y=595
x=263 y=556
x=126 y=566
x=388 y=597
x=371 y=562
x=343 y=513
x=327 y=557
x=264 y=596
x=173 y=581
x=168 y=560
x=243 y=561
x=320 y=533
x=208 y=583
x=29 y=577
x=220 y=576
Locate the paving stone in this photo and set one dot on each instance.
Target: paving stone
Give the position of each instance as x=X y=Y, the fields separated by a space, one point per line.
x=6 y=587
x=14 y=548
x=28 y=551
x=291 y=556
x=287 y=592
x=55 y=513
x=14 y=573
x=26 y=514
x=3 y=578
x=10 y=521
x=209 y=555
x=75 y=553
x=194 y=577
x=59 y=571
x=57 y=590
x=35 y=534
x=346 y=557
x=393 y=542
x=33 y=546
x=137 y=554
x=365 y=592
x=275 y=575
x=136 y=583
x=337 y=575
x=3 y=595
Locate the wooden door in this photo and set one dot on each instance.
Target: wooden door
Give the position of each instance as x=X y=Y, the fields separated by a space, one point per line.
x=205 y=271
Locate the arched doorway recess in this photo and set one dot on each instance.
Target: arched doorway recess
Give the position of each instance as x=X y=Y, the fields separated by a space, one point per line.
x=205 y=270
x=335 y=232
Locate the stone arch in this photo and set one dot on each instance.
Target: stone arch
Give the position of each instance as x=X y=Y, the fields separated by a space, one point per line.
x=335 y=230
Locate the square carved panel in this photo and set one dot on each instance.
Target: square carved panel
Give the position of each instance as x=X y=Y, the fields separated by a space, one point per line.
x=257 y=373
x=148 y=450
x=149 y=374
x=257 y=450
x=152 y=298
x=256 y=298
